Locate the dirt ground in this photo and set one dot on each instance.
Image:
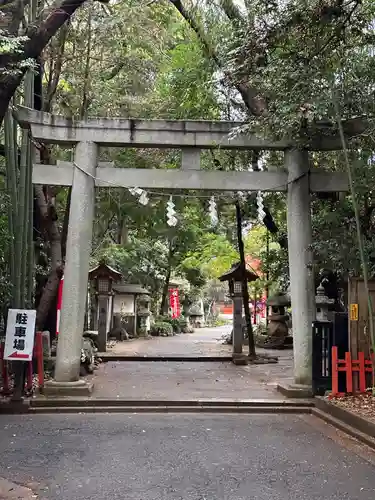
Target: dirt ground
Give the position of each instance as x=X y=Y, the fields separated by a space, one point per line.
x=361 y=404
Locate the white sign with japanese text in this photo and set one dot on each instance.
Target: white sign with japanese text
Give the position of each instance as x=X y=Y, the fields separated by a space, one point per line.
x=19 y=337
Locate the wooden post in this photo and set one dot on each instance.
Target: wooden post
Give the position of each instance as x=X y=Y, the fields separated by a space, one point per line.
x=245 y=290
x=40 y=360
x=335 y=373
x=102 y=322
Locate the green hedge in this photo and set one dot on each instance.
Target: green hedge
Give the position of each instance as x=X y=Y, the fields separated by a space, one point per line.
x=178 y=324
x=161 y=328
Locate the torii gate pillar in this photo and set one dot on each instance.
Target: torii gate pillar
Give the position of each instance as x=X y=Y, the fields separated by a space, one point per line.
x=78 y=249
x=301 y=270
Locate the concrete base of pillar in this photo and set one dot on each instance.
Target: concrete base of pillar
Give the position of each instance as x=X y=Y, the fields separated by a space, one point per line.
x=295 y=390
x=76 y=388
x=240 y=359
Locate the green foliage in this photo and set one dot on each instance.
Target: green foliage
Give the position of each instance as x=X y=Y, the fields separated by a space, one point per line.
x=185 y=87
x=213 y=256
x=142 y=261
x=161 y=329
x=296 y=55
x=178 y=324
x=335 y=240
x=12 y=46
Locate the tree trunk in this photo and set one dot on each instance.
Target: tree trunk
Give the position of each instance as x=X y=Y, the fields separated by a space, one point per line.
x=251 y=98
x=164 y=297
x=55 y=67
x=245 y=290
x=53 y=234
x=86 y=79
x=64 y=232
x=122 y=231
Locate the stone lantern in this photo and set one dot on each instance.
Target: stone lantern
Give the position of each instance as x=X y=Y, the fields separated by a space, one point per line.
x=277 y=320
x=143 y=312
x=323 y=304
x=102 y=278
x=234 y=277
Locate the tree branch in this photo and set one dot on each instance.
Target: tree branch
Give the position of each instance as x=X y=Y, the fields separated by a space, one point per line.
x=231 y=10
x=253 y=101
x=55 y=69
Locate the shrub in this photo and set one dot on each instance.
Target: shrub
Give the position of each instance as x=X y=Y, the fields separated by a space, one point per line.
x=178 y=324
x=161 y=329
x=184 y=325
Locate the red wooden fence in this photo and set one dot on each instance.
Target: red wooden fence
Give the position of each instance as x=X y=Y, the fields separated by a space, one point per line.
x=38 y=355
x=350 y=366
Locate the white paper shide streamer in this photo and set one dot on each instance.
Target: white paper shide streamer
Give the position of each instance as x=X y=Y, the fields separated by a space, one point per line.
x=260 y=206
x=171 y=213
x=141 y=194
x=212 y=210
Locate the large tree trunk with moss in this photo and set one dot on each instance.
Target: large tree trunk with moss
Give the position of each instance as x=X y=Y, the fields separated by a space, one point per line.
x=52 y=235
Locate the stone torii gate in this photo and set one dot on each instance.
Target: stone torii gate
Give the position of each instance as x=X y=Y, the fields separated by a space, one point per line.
x=85 y=173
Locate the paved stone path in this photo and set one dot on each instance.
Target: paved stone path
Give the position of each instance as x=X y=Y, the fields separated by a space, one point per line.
x=183 y=457
x=179 y=381
x=203 y=342
x=174 y=380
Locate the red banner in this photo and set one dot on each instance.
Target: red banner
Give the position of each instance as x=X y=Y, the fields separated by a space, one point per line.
x=174 y=302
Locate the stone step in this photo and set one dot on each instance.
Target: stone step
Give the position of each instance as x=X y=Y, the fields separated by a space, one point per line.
x=41 y=402
x=106 y=356
x=283 y=409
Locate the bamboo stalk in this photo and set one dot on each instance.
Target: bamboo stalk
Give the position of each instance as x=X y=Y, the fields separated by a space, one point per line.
x=11 y=188
x=30 y=232
x=25 y=222
x=20 y=226
x=29 y=102
x=9 y=158
x=27 y=236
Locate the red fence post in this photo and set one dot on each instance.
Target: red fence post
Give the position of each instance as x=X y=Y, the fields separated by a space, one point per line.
x=362 y=374
x=349 y=373
x=335 y=374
